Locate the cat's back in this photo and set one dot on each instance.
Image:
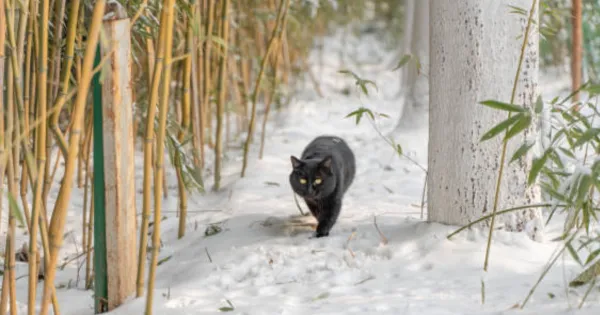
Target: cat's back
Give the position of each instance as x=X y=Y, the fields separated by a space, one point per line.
x=327 y=145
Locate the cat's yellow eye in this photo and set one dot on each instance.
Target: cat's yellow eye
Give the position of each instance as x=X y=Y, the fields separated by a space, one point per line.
x=318 y=181
x=302 y=181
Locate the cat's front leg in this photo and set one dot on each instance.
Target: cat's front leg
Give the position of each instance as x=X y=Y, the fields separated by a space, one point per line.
x=327 y=218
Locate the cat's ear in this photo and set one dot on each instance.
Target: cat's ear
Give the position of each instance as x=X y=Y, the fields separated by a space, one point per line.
x=325 y=164
x=295 y=161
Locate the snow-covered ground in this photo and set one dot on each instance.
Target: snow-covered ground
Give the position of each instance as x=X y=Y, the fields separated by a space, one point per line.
x=262 y=267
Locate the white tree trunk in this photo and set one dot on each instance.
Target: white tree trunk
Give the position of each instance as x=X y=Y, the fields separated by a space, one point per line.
x=414 y=83
x=475 y=48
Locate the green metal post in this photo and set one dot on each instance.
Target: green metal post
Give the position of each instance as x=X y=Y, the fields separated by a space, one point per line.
x=100 y=271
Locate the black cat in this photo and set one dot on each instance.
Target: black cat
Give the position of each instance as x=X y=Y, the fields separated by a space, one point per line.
x=321 y=176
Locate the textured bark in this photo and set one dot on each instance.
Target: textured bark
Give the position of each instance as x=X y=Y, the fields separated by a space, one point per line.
x=475 y=48
x=415 y=87
x=117 y=127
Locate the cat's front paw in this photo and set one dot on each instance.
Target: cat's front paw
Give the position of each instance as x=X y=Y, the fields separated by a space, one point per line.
x=321 y=234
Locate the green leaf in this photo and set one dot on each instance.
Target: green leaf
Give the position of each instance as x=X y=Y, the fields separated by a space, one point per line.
x=592 y=256
x=15 y=210
x=403 y=61
x=500 y=127
x=573 y=253
x=363 y=85
x=539 y=105
x=321 y=296
x=536 y=167
x=196 y=176
x=522 y=150
x=503 y=106
x=359 y=113
x=519 y=126
x=567 y=153
x=212 y=229
x=556 y=159
x=584 y=187
x=593 y=89
x=399 y=149
x=229 y=308
x=587 y=136
x=164 y=260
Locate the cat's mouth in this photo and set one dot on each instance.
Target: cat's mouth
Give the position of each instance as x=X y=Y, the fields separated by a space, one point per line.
x=312 y=196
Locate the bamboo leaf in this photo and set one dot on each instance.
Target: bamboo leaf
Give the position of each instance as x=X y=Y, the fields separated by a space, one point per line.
x=15 y=210
x=536 y=167
x=403 y=61
x=503 y=106
x=522 y=150
x=587 y=136
x=229 y=308
x=539 y=105
x=573 y=253
x=519 y=126
x=587 y=275
x=592 y=256
x=500 y=127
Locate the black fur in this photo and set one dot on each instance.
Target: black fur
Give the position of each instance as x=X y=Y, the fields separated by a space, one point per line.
x=330 y=160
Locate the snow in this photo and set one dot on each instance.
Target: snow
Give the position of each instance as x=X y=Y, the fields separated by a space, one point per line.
x=263 y=266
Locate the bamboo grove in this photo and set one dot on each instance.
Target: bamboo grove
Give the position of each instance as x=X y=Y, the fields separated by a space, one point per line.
x=206 y=75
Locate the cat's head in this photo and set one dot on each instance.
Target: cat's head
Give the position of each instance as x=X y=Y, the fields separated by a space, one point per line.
x=312 y=178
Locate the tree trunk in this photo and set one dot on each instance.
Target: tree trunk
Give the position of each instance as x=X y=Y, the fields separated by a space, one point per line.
x=414 y=86
x=475 y=49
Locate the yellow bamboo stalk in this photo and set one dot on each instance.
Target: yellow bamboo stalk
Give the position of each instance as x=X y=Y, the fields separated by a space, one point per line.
x=41 y=155
x=169 y=8
x=221 y=100
x=274 y=86
x=263 y=66
x=60 y=210
x=148 y=156
x=12 y=231
x=64 y=82
x=2 y=62
x=18 y=95
x=207 y=71
x=29 y=75
x=185 y=124
x=197 y=71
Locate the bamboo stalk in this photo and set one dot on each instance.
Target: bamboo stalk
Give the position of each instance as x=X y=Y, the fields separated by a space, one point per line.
x=274 y=87
x=2 y=62
x=12 y=284
x=60 y=210
x=10 y=171
x=221 y=100
x=257 y=84
x=29 y=77
x=86 y=198
x=169 y=8
x=41 y=155
x=185 y=124
x=90 y=233
x=577 y=49
x=207 y=72
x=148 y=156
x=64 y=83
x=197 y=122
x=18 y=95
